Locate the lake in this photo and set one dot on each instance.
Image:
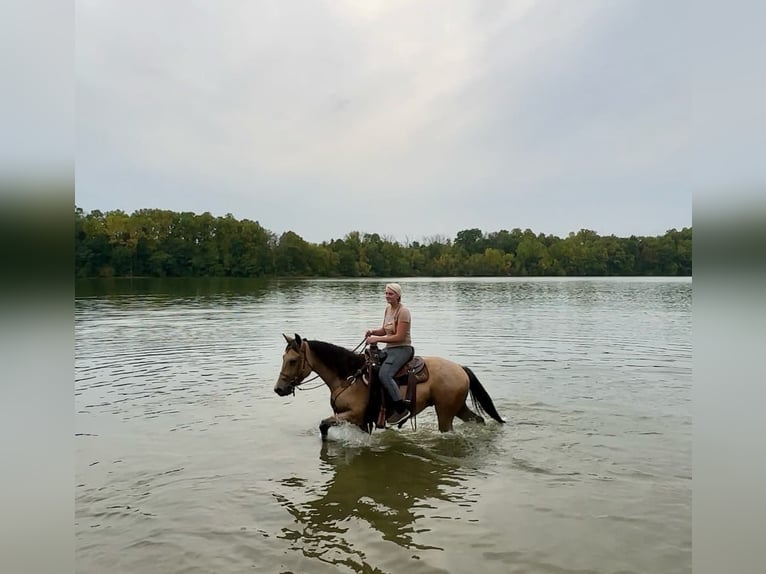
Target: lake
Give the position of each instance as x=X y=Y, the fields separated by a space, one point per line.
x=188 y=462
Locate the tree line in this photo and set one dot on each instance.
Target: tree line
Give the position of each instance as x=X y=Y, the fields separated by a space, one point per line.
x=162 y=243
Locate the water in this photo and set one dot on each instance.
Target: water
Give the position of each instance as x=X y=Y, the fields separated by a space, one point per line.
x=188 y=462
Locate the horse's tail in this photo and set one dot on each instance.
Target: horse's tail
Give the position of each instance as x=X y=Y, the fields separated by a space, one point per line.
x=480 y=396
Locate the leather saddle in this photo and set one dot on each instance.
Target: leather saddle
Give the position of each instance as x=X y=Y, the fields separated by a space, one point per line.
x=413 y=372
x=415 y=369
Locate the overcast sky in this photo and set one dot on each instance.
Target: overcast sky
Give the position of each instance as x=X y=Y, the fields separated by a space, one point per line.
x=407 y=119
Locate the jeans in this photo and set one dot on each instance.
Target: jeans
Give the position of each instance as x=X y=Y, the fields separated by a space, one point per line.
x=395 y=359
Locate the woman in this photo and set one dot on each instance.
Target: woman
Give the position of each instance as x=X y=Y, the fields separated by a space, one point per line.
x=395 y=333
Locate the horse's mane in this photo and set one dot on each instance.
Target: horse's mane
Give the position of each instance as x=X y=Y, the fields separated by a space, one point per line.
x=343 y=361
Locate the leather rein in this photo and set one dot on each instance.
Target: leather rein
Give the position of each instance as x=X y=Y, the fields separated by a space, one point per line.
x=296 y=383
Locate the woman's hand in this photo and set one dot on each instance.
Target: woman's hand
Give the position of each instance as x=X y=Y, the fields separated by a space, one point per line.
x=371 y=339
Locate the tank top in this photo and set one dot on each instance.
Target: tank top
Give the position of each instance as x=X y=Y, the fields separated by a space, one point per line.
x=390 y=320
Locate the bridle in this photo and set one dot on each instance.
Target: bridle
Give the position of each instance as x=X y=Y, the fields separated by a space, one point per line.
x=300 y=377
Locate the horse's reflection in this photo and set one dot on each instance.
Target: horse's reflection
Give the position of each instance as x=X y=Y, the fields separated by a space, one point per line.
x=385 y=489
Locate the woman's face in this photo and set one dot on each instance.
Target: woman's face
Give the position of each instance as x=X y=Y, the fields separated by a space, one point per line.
x=391 y=296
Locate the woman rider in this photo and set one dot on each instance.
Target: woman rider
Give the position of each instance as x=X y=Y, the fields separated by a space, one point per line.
x=395 y=333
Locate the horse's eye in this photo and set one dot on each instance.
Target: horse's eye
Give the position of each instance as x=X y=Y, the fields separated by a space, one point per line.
x=291 y=362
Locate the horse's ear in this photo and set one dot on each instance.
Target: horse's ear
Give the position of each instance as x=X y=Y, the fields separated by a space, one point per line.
x=298 y=341
x=290 y=340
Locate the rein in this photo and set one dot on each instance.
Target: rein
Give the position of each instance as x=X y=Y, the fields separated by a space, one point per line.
x=350 y=379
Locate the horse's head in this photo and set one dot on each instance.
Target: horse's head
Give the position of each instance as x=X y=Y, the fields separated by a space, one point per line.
x=295 y=367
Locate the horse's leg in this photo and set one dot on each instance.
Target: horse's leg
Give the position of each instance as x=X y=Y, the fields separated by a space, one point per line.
x=448 y=391
x=335 y=420
x=467 y=415
x=445 y=420
x=325 y=425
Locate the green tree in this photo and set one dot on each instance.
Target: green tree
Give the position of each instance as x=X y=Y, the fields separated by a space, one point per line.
x=470 y=240
x=532 y=257
x=165 y=243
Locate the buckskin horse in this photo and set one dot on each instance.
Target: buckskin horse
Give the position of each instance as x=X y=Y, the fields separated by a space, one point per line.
x=446 y=387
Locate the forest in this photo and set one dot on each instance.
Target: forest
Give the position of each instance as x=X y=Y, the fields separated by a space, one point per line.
x=162 y=243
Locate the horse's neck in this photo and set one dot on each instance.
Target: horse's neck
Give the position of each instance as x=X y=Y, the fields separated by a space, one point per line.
x=328 y=375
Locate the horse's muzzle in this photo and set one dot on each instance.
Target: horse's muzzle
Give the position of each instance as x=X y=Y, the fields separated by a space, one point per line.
x=283 y=391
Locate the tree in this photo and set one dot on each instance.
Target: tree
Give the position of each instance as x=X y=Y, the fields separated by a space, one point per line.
x=470 y=240
x=531 y=257
x=162 y=243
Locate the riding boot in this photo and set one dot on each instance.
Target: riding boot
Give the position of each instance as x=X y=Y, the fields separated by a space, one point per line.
x=392 y=405
x=399 y=412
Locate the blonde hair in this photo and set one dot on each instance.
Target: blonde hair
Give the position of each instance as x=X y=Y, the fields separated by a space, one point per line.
x=396 y=288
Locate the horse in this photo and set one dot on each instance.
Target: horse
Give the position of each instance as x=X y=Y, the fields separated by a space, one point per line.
x=446 y=389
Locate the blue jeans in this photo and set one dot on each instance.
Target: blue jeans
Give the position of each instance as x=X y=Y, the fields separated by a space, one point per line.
x=396 y=357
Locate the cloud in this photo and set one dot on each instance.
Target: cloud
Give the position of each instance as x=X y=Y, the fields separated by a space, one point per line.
x=428 y=105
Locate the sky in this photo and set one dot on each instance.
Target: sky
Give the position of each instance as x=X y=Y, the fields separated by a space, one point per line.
x=413 y=120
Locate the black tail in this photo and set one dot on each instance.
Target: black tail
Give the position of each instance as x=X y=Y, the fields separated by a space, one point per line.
x=480 y=396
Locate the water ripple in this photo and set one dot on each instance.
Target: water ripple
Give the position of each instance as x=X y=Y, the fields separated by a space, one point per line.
x=187 y=459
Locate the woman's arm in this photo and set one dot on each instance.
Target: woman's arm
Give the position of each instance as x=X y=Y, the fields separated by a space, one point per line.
x=379 y=331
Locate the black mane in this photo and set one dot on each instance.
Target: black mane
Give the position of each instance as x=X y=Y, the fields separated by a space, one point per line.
x=343 y=361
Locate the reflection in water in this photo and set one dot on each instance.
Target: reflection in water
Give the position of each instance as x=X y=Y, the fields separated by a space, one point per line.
x=217 y=287
x=389 y=489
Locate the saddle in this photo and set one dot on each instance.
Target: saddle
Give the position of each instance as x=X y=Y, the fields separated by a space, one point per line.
x=415 y=369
